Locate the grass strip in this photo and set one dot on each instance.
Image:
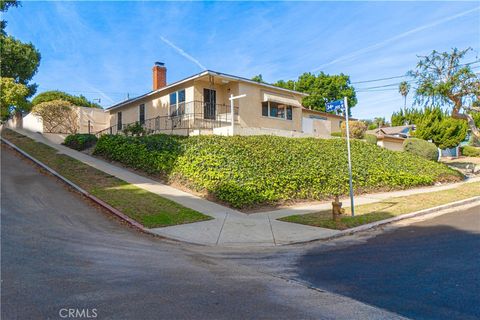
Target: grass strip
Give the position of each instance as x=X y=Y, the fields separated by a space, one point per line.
x=387 y=208
x=148 y=208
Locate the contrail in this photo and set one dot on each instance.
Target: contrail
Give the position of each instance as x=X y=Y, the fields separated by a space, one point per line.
x=401 y=35
x=183 y=53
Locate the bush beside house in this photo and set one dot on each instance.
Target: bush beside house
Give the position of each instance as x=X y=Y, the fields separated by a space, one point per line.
x=245 y=171
x=421 y=148
x=356 y=128
x=80 y=141
x=469 y=151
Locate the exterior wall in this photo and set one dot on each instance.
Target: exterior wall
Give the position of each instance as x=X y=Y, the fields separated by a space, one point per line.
x=99 y=119
x=250 y=110
x=391 y=144
x=158 y=105
x=335 y=122
x=33 y=123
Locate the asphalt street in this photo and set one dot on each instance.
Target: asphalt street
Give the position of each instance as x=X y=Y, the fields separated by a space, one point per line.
x=60 y=252
x=427 y=270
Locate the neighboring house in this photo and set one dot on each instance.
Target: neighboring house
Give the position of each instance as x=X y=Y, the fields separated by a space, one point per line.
x=200 y=105
x=89 y=120
x=392 y=137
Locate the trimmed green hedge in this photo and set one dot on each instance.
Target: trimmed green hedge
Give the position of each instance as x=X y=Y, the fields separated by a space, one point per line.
x=246 y=171
x=469 y=151
x=80 y=141
x=421 y=148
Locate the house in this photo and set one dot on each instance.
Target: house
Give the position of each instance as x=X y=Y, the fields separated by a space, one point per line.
x=392 y=138
x=200 y=104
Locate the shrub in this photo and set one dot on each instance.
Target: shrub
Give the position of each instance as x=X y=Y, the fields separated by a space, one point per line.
x=421 y=148
x=245 y=171
x=371 y=138
x=336 y=134
x=80 y=141
x=469 y=151
x=134 y=129
x=357 y=129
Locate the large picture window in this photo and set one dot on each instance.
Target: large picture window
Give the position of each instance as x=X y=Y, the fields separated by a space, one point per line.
x=276 y=110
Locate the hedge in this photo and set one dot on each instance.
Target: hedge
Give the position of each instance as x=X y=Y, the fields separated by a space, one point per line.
x=469 y=151
x=371 y=138
x=247 y=171
x=80 y=141
x=421 y=148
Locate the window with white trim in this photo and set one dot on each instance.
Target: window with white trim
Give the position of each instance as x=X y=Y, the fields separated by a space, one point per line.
x=177 y=102
x=277 y=110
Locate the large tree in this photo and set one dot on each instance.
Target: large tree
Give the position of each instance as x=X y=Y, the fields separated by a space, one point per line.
x=322 y=88
x=19 y=61
x=80 y=100
x=18 y=64
x=443 y=78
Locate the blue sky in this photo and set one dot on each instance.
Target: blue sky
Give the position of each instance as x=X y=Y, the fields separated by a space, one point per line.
x=106 y=49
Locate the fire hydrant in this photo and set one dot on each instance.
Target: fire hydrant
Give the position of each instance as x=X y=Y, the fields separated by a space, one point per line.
x=337 y=209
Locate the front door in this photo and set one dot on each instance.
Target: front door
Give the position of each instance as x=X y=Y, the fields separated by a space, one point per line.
x=209 y=103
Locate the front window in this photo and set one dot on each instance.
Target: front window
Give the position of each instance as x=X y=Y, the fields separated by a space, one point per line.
x=141 y=114
x=177 y=102
x=277 y=110
x=119 y=121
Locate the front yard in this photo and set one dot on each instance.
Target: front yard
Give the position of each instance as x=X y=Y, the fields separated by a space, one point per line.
x=386 y=209
x=150 y=209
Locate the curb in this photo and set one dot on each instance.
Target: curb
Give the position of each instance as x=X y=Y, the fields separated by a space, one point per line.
x=376 y=224
x=103 y=204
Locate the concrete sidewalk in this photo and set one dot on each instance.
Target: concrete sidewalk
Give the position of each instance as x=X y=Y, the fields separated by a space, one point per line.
x=229 y=227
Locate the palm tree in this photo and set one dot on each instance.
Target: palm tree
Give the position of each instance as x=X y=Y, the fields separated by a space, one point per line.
x=403 y=89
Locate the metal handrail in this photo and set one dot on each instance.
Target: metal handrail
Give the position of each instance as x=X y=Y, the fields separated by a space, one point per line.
x=184 y=117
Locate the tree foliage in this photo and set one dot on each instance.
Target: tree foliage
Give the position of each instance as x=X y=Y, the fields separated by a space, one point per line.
x=4 y=6
x=442 y=79
x=80 y=100
x=443 y=130
x=258 y=78
x=407 y=116
x=12 y=97
x=403 y=89
x=58 y=116
x=19 y=61
x=322 y=88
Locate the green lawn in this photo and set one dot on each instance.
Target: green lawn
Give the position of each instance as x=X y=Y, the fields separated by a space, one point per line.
x=386 y=209
x=149 y=209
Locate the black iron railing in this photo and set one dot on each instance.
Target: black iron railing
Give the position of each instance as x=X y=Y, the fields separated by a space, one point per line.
x=183 y=118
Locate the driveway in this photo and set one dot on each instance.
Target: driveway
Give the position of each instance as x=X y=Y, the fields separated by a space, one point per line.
x=58 y=251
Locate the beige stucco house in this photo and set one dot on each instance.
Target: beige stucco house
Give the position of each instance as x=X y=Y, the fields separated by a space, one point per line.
x=200 y=105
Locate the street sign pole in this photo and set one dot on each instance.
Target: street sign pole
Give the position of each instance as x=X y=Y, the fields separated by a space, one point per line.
x=345 y=105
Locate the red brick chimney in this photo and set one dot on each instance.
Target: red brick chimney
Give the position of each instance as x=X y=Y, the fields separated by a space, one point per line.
x=159 y=75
